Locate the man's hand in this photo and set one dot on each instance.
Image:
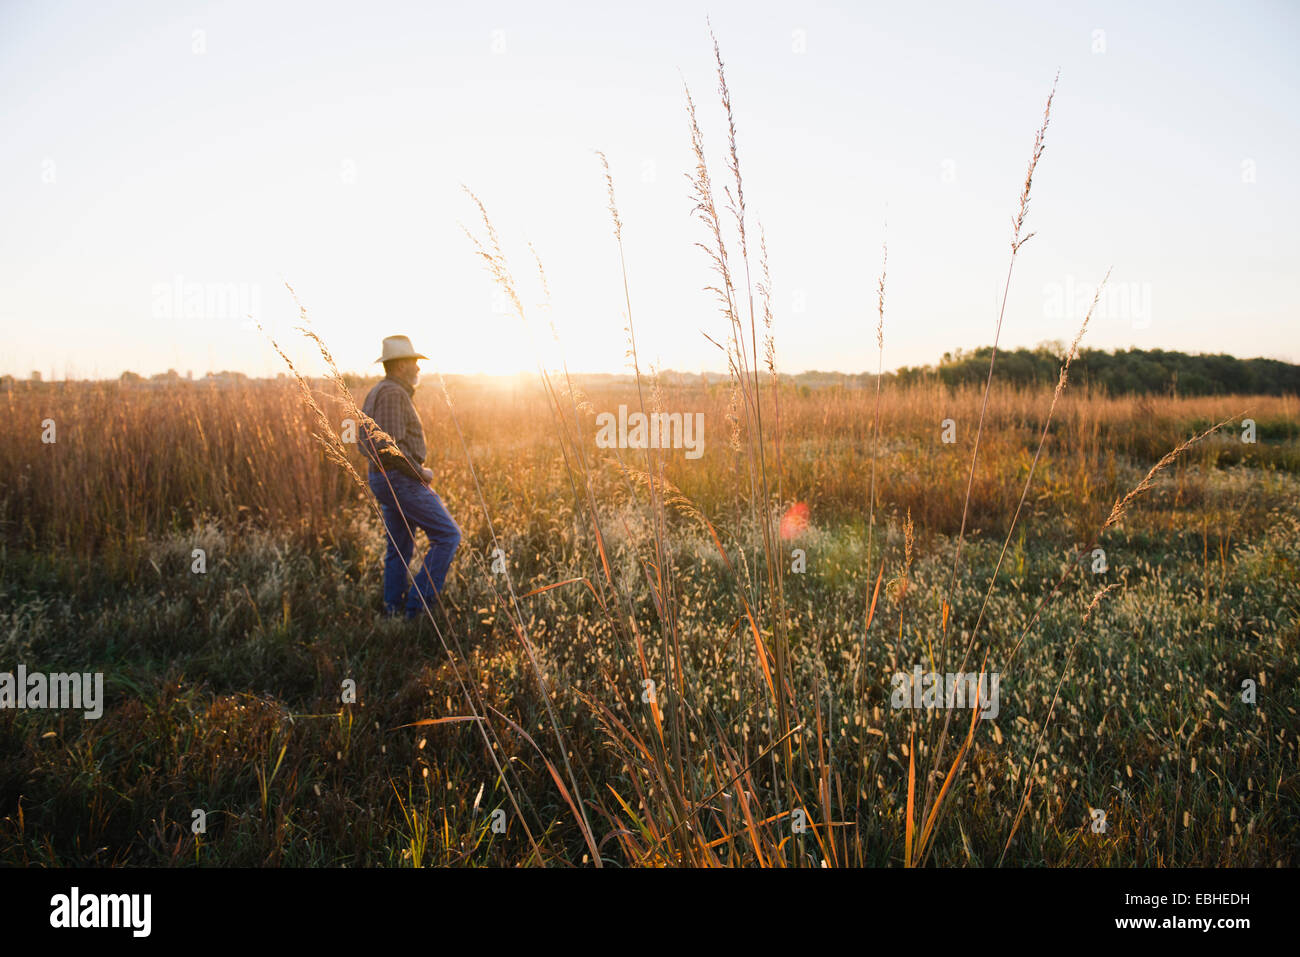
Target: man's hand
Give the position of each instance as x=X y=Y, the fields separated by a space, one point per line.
x=427 y=473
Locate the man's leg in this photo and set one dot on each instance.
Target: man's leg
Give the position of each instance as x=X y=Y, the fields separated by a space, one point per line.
x=400 y=545
x=444 y=538
x=397 y=559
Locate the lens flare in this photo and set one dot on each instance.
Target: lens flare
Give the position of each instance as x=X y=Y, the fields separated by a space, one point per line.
x=795 y=520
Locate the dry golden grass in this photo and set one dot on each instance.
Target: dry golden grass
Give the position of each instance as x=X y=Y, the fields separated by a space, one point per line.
x=132 y=461
x=103 y=504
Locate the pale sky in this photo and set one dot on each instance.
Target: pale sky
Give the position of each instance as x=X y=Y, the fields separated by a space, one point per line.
x=161 y=158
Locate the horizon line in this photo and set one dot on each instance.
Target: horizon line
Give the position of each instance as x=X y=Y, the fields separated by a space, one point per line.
x=172 y=374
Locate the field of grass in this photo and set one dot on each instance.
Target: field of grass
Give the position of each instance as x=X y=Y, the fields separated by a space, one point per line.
x=224 y=687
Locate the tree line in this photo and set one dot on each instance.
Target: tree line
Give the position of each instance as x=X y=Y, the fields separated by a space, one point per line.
x=1122 y=372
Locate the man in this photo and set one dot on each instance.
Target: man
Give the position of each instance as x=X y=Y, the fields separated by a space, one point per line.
x=401 y=484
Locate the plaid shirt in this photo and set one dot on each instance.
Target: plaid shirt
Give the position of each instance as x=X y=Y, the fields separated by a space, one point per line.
x=389 y=405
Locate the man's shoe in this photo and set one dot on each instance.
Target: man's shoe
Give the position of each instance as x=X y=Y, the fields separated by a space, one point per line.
x=419 y=612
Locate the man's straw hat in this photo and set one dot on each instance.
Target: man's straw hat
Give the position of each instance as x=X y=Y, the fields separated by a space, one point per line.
x=399 y=347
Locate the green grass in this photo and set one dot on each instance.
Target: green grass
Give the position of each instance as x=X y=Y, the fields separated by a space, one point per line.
x=224 y=695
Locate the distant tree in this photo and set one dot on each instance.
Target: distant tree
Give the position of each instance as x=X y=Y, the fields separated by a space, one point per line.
x=35 y=376
x=128 y=376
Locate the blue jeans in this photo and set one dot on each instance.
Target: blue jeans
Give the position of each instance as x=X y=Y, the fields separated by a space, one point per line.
x=406 y=506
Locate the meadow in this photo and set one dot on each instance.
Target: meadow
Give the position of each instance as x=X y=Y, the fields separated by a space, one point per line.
x=224 y=687
x=648 y=658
